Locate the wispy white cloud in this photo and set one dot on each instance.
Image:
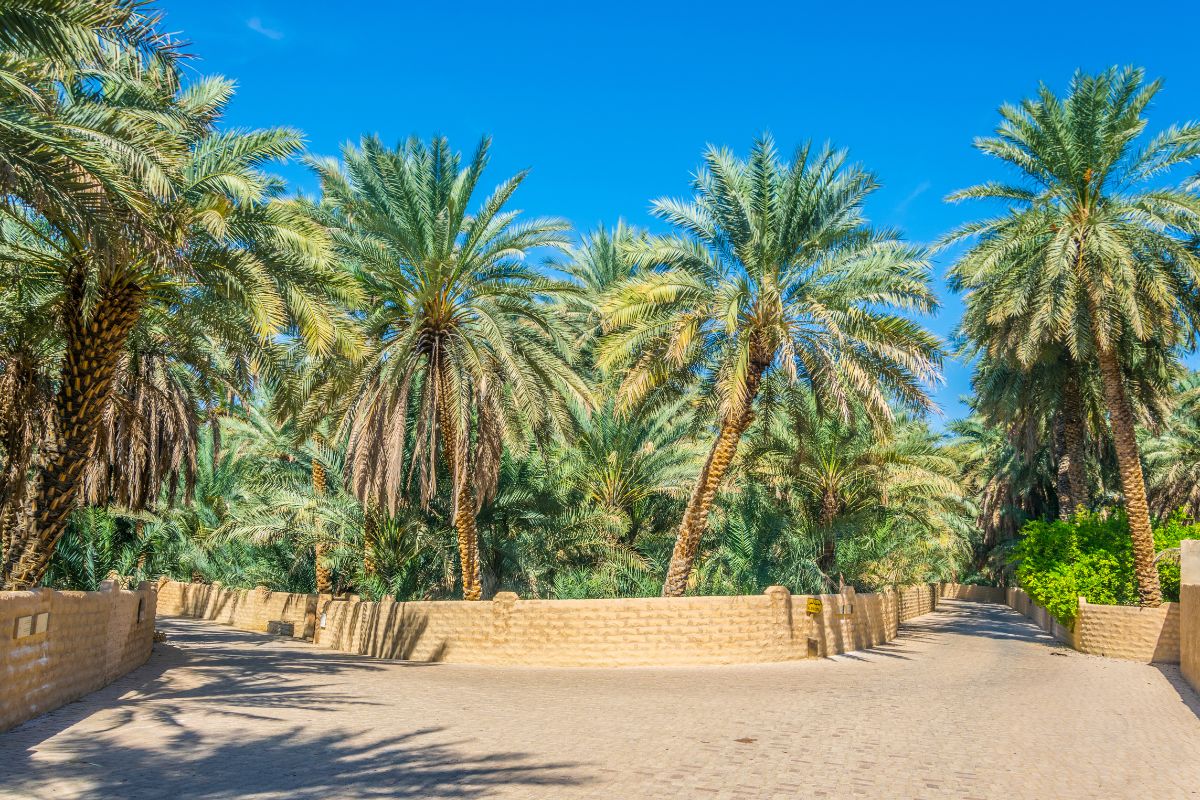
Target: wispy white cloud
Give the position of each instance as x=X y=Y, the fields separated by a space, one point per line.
x=921 y=189
x=255 y=24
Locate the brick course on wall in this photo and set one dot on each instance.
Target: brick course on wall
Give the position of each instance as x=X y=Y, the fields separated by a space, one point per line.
x=774 y=626
x=90 y=640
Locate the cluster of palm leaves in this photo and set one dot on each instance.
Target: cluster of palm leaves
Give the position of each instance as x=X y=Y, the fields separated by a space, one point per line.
x=407 y=387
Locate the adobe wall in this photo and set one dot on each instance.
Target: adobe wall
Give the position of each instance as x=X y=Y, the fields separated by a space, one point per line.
x=774 y=626
x=973 y=593
x=85 y=641
x=247 y=609
x=1129 y=632
x=1189 y=612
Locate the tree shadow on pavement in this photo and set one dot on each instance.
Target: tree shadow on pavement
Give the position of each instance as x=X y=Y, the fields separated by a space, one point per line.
x=977 y=619
x=296 y=763
x=1187 y=695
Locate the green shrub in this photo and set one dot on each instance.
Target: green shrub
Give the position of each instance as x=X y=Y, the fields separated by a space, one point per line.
x=1091 y=556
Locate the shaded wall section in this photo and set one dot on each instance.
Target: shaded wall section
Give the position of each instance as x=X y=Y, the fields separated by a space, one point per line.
x=1189 y=612
x=773 y=626
x=56 y=647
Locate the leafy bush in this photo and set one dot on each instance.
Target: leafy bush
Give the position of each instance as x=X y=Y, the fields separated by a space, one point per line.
x=1091 y=556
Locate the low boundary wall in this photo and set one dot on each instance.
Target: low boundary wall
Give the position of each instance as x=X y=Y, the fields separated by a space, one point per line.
x=1126 y=632
x=56 y=647
x=773 y=626
x=973 y=593
x=1189 y=612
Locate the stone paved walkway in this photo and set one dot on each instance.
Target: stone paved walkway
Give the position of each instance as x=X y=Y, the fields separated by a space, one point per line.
x=970 y=702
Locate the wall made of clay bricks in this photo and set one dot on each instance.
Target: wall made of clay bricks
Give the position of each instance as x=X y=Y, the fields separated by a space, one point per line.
x=247 y=609
x=90 y=639
x=1129 y=632
x=774 y=626
x=973 y=593
x=1189 y=612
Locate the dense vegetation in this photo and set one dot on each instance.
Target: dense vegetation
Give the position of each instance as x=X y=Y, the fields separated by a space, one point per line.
x=407 y=387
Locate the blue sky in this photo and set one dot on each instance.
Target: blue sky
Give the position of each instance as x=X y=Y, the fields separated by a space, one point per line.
x=611 y=104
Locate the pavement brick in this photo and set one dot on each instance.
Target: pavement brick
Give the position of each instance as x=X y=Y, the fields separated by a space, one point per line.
x=972 y=701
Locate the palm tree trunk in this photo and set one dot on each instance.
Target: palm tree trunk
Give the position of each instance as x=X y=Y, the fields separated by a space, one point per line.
x=827 y=562
x=1071 y=436
x=464 y=495
x=370 y=536
x=93 y=348
x=1133 y=483
x=695 y=518
x=319 y=486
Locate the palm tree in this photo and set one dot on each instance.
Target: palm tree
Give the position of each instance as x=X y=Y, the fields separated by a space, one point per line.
x=215 y=256
x=461 y=337
x=775 y=268
x=1173 y=455
x=1091 y=251
x=626 y=464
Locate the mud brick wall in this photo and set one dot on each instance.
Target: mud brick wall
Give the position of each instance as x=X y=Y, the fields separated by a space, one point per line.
x=246 y=609
x=1129 y=632
x=1189 y=612
x=773 y=626
x=85 y=641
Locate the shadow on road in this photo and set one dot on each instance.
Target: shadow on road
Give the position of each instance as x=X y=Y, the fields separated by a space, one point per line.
x=1187 y=695
x=140 y=739
x=975 y=619
x=297 y=763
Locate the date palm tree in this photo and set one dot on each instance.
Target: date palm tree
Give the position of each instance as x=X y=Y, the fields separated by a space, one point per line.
x=461 y=338
x=216 y=257
x=1092 y=250
x=774 y=268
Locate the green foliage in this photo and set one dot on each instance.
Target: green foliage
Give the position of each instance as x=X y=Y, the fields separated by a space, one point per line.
x=1091 y=556
x=276 y=334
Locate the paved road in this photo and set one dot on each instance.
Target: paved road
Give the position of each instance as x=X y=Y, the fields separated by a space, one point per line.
x=970 y=702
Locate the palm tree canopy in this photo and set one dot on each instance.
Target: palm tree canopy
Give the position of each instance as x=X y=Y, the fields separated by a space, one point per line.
x=1092 y=246
x=451 y=294
x=775 y=265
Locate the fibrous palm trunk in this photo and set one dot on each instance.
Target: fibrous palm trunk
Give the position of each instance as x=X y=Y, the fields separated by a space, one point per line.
x=1071 y=441
x=464 y=495
x=93 y=347
x=695 y=518
x=370 y=538
x=1133 y=483
x=827 y=562
x=319 y=486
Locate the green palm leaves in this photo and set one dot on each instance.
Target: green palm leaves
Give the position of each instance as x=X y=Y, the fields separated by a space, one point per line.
x=160 y=247
x=464 y=342
x=774 y=267
x=1093 y=251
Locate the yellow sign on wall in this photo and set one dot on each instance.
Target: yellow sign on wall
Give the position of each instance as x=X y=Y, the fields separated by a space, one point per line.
x=814 y=605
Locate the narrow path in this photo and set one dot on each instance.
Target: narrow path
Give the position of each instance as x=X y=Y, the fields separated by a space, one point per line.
x=970 y=702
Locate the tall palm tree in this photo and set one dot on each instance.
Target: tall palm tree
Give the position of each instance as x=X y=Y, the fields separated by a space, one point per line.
x=774 y=268
x=461 y=338
x=216 y=256
x=1092 y=250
